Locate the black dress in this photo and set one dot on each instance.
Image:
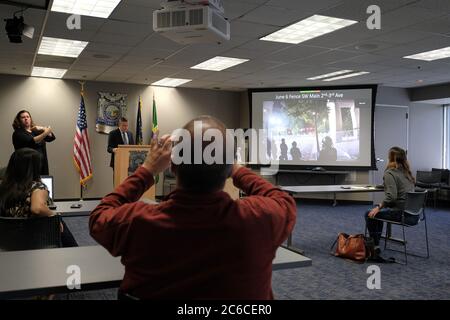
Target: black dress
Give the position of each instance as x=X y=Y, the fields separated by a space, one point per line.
x=21 y=138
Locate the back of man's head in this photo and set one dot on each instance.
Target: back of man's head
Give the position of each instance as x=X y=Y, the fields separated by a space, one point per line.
x=198 y=175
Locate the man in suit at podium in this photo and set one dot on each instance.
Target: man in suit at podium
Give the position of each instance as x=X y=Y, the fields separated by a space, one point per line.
x=118 y=136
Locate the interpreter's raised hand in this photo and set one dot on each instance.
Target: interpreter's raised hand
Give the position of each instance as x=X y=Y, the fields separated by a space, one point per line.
x=38 y=128
x=48 y=130
x=159 y=157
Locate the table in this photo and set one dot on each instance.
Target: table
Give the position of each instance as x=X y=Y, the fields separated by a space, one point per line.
x=42 y=272
x=310 y=174
x=327 y=189
x=63 y=207
x=333 y=189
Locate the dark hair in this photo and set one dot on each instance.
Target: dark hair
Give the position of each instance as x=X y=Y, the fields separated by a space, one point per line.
x=327 y=141
x=23 y=168
x=398 y=160
x=203 y=178
x=123 y=119
x=17 y=124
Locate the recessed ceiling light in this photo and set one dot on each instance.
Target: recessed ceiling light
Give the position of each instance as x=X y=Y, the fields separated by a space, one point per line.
x=98 y=8
x=355 y=74
x=328 y=75
x=170 y=82
x=61 y=47
x=431 y=55
x=219 y=63
x=48 y=72
x=309 y=28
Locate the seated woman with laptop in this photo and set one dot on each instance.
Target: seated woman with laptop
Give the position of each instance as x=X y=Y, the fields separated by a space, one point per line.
x=22 y=193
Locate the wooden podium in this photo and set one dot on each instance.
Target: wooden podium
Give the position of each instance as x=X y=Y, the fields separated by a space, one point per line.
x=123 y=167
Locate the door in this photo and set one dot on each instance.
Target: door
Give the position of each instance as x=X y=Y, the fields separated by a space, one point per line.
x=391 y=129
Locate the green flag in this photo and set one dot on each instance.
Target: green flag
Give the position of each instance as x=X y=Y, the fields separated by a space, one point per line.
x=154 y=128
x=154 y=119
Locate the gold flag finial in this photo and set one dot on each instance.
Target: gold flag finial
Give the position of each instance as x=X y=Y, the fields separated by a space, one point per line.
x=82 y=86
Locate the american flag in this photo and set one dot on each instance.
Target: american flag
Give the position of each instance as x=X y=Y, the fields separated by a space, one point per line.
x=81 y=147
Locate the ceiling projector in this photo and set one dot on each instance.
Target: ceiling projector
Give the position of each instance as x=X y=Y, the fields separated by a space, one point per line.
x=199 y=21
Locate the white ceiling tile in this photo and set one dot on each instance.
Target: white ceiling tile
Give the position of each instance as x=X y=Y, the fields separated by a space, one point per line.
x=438 y=26
x=112 y=78
x=137 y=14
x=254 y=65
x=193 y=74
x=402 y=36
x=408 y=16
x=159 y=70
x=117 y=39
x=308 y=6
x=235 y=9
x=328 y=57
x=275 y=16
x=220 y=76
x=107 y=48
x=58 y=21
x=126 y=28
x=250 y=29
x=295 y=53
x=157 y=41
x=367 y=46
x=81 y=75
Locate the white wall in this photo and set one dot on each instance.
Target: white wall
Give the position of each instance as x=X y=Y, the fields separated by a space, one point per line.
x=426 y=134
x=425 y=128
x=56 y=102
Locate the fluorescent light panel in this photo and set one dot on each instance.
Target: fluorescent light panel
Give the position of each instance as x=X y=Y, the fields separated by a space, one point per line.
x=330 y=74
x=48 y=72
x=355 y=74
x=170 y=82
x=61 y=47
x=309 y=28
x=219 y=63
x=431 y=55
x=93 y=8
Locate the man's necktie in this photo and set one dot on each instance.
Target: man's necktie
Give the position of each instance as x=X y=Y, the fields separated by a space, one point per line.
x=125 y=137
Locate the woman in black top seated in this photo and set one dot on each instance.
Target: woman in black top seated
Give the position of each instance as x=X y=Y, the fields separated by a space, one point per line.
x=28 y=135
x=22 y=194
x=398 y=181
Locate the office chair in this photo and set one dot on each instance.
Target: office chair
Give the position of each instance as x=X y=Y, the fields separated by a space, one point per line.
x=431 y=181
x=415 y=206
x=445 y=183
x=30 y=233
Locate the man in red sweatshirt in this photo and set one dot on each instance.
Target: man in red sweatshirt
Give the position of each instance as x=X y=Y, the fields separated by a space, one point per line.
x=198 y=243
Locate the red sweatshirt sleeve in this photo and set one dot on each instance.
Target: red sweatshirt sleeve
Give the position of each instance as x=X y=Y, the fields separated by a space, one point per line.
x=110 y=220
x=266 y=199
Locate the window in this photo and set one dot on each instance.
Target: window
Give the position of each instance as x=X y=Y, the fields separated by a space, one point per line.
x=446 y=148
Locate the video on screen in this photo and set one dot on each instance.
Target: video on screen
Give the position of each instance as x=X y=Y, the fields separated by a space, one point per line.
x=316 y=127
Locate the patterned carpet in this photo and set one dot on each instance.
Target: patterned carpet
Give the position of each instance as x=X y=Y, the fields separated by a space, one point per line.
x=334 y=278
